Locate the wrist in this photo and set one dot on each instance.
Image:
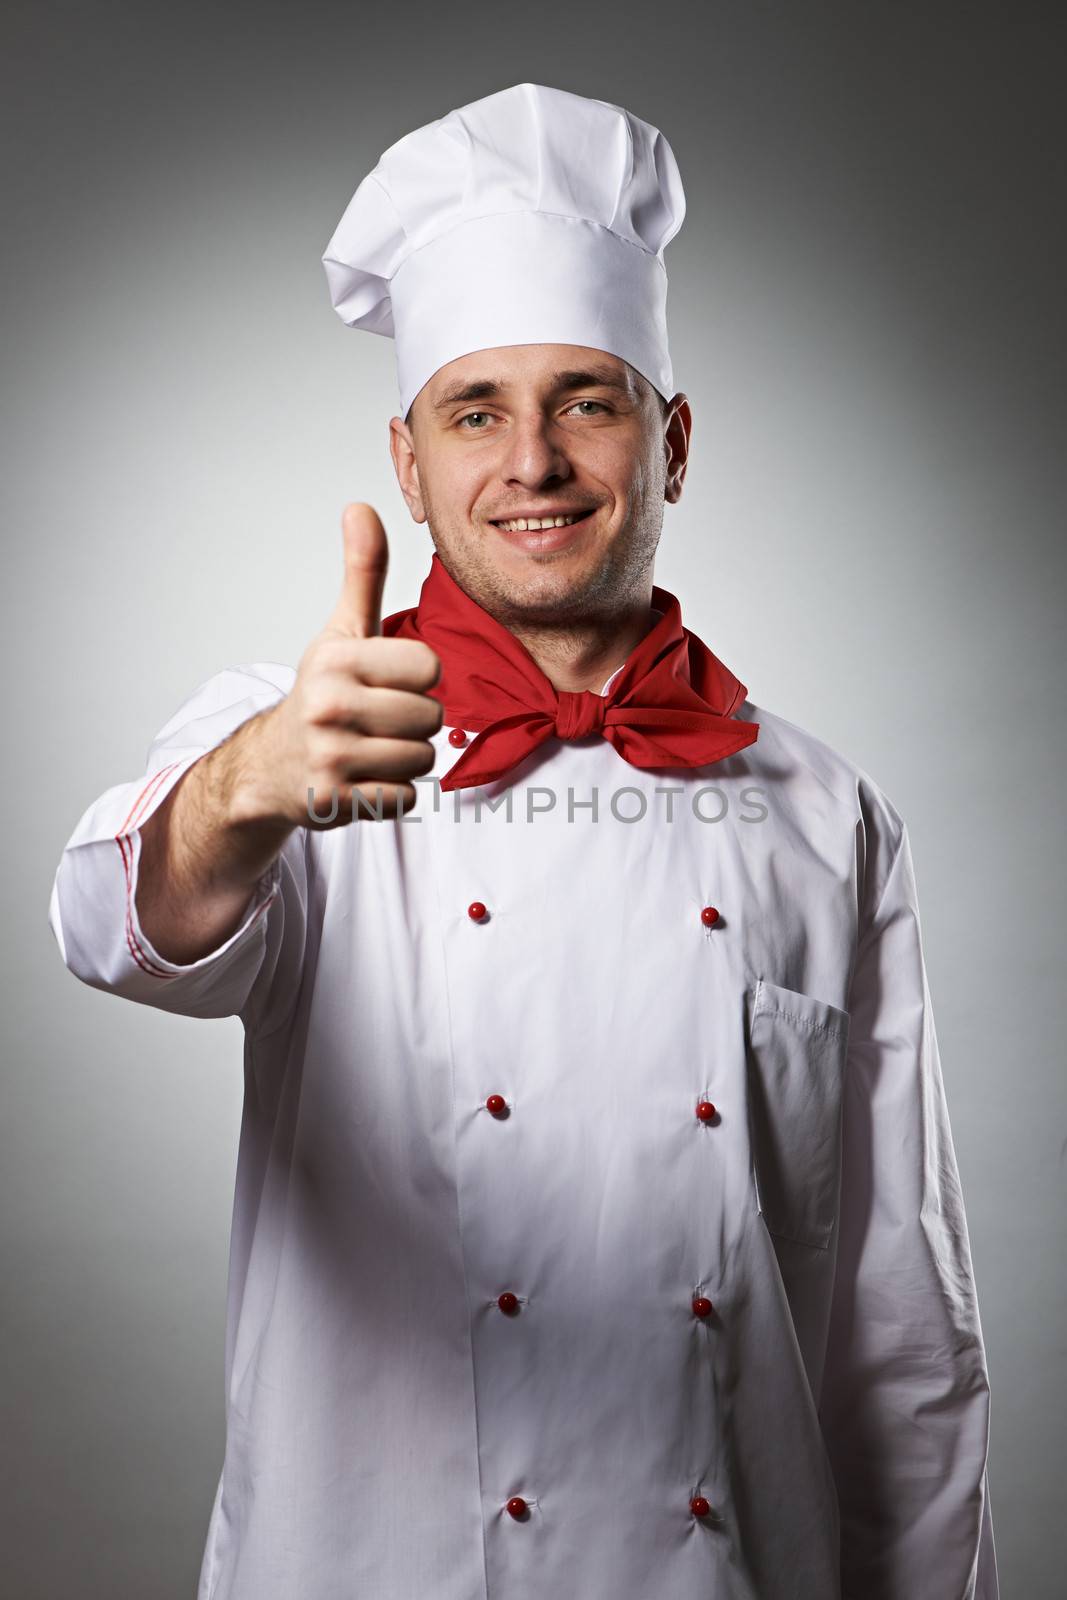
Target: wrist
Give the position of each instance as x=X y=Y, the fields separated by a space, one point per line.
x=255 y=797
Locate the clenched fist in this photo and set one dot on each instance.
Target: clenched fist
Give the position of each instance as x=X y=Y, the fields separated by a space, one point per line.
x=358 y=717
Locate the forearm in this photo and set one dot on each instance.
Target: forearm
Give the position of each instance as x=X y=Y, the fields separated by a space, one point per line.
x=207 y=845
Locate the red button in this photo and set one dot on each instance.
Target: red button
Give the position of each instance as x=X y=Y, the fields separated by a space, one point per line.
x=699 y=1506
x=476 y=911
x=709 y=916
x=496 y=1104
x=705 y=1110
x=702 y=1306
x=456 y=736
x=508 y=1302
x=517 y=1505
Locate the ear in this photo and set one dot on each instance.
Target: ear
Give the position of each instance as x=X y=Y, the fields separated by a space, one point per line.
x=406 y=467
x=677 y=428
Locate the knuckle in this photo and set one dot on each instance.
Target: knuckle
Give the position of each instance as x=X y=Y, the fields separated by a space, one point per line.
x=320 y=706
x=323 y=655
x=324 y=712
x=331 y=754
x=338 y=657
x=362 y=655
x=335 y=703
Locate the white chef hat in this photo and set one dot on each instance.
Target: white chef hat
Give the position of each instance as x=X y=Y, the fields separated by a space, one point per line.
x=533 y=216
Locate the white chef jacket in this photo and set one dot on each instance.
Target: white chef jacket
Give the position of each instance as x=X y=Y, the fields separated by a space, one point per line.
x=381 y=1407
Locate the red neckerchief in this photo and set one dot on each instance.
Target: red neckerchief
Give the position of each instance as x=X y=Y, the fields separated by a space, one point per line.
x=670 y=705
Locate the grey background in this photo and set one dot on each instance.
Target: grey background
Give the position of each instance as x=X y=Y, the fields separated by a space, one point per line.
x=867 y=316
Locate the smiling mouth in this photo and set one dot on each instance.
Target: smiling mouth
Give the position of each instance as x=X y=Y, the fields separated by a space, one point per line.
x=541 y=524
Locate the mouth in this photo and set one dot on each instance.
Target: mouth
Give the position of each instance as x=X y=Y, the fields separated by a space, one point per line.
x=540 y=524
x=544 y=533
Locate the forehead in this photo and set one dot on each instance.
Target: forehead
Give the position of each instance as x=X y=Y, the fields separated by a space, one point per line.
x=529 y=367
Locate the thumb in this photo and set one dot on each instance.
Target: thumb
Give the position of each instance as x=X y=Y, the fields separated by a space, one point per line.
x=366 y=553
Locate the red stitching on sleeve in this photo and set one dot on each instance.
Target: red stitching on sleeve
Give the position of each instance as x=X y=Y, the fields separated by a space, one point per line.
x=137 y=951
x=122 y=839
x=145 y=795
x=143 y=960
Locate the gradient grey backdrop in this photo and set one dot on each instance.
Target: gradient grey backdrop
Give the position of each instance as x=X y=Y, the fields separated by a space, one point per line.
x=867 y=316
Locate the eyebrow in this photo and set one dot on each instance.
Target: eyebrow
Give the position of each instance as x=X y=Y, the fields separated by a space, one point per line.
x=593 y=377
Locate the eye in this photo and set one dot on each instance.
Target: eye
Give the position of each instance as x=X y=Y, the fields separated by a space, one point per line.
x=475 y=421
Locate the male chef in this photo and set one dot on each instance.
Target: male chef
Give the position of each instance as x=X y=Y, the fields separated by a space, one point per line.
x=597 y=1227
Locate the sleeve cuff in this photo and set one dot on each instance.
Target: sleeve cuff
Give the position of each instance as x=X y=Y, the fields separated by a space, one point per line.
x=128 y=841
x=143 y=951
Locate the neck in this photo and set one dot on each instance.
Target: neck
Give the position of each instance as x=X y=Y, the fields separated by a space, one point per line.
x=584 y=654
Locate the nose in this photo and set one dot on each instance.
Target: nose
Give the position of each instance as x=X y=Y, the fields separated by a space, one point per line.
x=534 y=454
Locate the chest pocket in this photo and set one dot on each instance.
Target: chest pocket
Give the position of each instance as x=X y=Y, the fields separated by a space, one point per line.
x=796 y=1051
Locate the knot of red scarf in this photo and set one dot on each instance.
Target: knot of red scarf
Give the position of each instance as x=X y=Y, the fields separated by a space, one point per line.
x=579 y=714
x=670 y=705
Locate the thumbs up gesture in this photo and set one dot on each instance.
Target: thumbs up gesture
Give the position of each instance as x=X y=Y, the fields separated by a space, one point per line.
x=358 y=718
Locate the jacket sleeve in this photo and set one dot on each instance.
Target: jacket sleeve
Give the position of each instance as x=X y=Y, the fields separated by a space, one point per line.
x=252 y=974
x=905 y=1399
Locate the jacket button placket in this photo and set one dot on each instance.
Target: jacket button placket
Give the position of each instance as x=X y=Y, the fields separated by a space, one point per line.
x=702 y=1307
x=507 y=1303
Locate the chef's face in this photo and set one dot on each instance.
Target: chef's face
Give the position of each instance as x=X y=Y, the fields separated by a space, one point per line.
x=536 y=431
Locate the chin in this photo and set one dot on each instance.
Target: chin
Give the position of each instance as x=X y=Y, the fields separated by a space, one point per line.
x=542 y=587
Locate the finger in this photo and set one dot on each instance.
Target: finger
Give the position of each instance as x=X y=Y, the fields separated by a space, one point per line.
x=390 y=760
x=380 y=802
x=387 y=663
x=383 y=800
x=388 y=712
x=366 y=556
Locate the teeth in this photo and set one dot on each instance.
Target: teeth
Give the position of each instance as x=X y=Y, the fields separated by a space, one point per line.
x=536 y=524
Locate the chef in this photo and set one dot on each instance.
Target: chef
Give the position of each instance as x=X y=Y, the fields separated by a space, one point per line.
x=597 y=1228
